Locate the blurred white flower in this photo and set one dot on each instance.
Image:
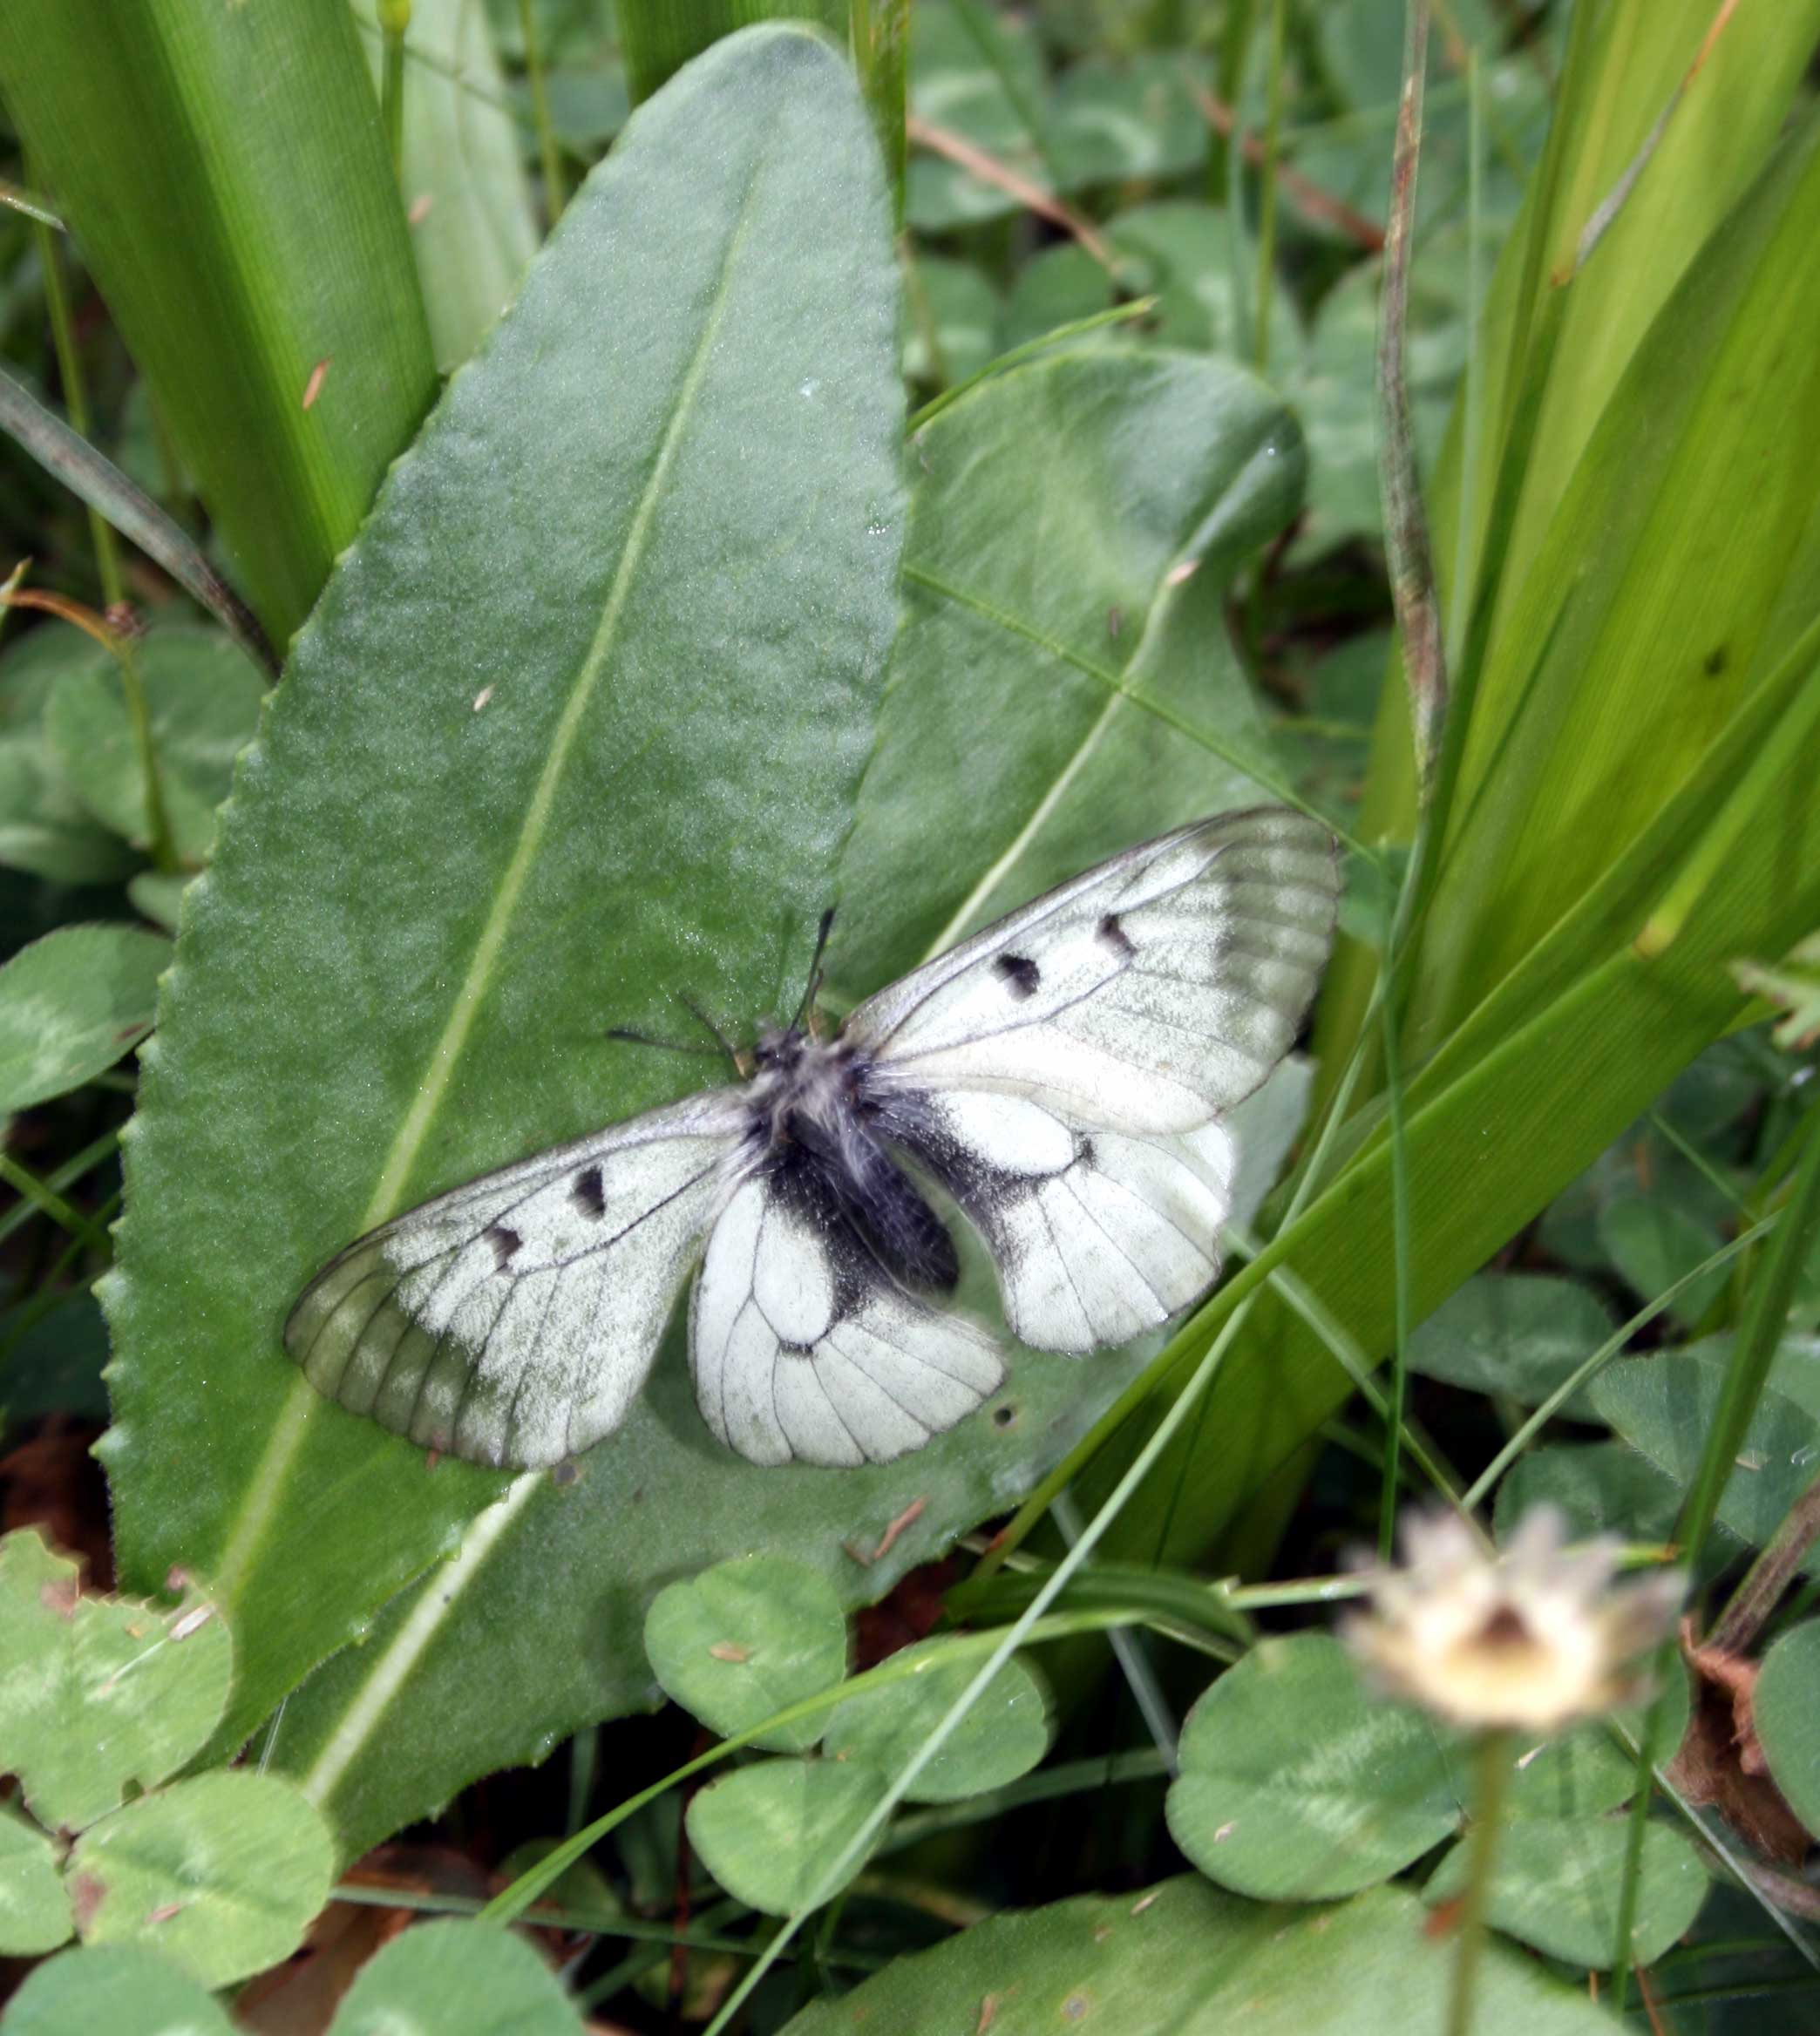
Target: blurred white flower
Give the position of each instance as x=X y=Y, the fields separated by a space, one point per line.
x=1529 y=1640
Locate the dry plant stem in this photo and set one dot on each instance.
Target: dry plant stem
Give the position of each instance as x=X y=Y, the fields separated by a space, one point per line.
x=1769 y=1575
x=1267 y=175
x=1595 y=228
x=68 y=456
x=1493 y=1771
x=107 y=558
x=550 y=155
x=1406 y=538
x=943 y=141
x=1308 y=197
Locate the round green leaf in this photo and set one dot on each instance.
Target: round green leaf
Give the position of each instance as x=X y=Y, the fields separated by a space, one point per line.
x=1555 y=1882
x=1666 y=1405
x=1296 y=1782
x=1601 y=1488
x=1003 y=1735
x=96 y=1693
x=1188 y=1959
x=1653 y=1242
x=1588 y=1769
x=121 y=1988
x=202 y=696
x=1788 y=1719
x=767 y=1833
x=72 y=1004
x=1515 y=1334
x=43 y=827
x=456 y=1979
x=34 y=1906
x=746 y=1638
x=222 y=1874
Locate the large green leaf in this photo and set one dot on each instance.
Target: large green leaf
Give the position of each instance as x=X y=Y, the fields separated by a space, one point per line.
x=225 y=175
x=1187 y=1960
x=664 y=1504
x=1075 y=526
x=576 y=729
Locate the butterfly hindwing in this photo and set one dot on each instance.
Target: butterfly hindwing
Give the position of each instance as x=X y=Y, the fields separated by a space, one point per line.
x=804 y=1347
x=1095 y=1235
x=512 y=1320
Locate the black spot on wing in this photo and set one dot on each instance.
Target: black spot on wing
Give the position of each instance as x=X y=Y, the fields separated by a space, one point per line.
x=505 y=1242
x=1110 y=933
x=589 y=1192
x=1020 y=975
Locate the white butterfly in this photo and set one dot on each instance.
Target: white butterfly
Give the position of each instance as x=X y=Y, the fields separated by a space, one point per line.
x=1062 y=1077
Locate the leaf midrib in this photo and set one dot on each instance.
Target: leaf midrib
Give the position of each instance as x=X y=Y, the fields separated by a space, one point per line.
x=265 y=1487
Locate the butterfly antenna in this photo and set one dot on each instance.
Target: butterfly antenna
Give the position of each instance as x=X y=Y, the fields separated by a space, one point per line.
x=815 y=972
x=741 y=1064
x=669 y=1045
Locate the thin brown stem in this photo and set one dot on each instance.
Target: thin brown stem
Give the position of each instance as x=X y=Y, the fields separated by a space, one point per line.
x=1739 y=1624
x=943 y=141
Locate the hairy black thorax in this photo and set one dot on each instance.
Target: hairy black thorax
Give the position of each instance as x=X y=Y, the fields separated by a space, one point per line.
x=817 y=1134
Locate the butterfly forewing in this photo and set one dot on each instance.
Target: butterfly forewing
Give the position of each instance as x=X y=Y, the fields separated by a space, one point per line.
x=512 y=1320
x=1064 y=1073
x=1148 y=995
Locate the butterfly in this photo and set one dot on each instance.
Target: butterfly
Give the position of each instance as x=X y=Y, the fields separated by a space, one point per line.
x=1061 y=1079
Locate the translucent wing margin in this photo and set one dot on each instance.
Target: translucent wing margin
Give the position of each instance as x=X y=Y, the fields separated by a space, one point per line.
x=512 y=1320
x=804 y=1348
x=1147 y=997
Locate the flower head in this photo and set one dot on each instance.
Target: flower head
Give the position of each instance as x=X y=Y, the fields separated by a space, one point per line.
x=1529 y=1639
